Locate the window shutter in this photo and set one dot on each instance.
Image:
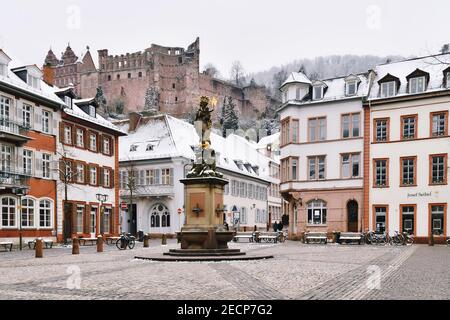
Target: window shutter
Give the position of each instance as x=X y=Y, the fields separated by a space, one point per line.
x=61 y=132
x=37 y=121
x=99 y=143
x=171 y=177
x=101 y=176
x=54 y=167
x=111 y=224
x=19 y=112
x=61 y=170
x=54 y=126
x=157 y=176
x=86 y=174
x=20 y=159
x=86 y=139
x=111 y=146
x=87 y=219
x=102 y=220
x=38 y=164
x=112 y=178
x=74 y=219
x=74 y=135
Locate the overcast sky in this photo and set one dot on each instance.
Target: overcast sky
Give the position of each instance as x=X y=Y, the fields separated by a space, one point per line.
x=259 y=33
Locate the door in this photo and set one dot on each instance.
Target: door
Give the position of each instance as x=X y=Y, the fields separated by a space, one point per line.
x=93 y=227
x=133 y=219
x=352 y=214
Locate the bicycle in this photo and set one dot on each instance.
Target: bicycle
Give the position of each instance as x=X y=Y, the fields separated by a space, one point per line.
x=448 y=241
x=126 y=240
x=397 y=239
x=376 y=238
x=282 y=236
x=408 y=239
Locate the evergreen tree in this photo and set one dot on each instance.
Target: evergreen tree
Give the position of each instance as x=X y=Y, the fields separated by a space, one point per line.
x=102 y=103
x=230 y=118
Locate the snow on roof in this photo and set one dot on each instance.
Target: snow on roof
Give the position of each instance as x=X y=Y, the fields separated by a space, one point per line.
x=171 y=137
x=296 y=77
x=45 y=91
x=272 y=139
x=434 y=65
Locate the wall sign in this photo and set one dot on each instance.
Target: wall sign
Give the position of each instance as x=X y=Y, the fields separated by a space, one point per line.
x=419 y=194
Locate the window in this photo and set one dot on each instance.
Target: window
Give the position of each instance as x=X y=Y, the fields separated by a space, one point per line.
x=317 y=92
x=68 y=171
x=351 y=88
x=107 y=220
x=45 y=214
x=294 y=169
x=129 y=75
x=34 y=82
x=316 y=168
x=68 y=101
x=409 y=127
x=6 y=157
x=26 y=115
x=437 y=222
x=173 y=85
x=46 y=121
x=106 y=145
x=350 y=165
x=408 y=171
x=285 y=131
x=67 y=134
x=243 y=215
x=92 y=111
x=295 y=128
x=8 y=212
x=448 y=79
x=93 y=142
x=438 y=169
x=380 y=219
x=381 y=173
x=152 y=177
x=166 y=176
x=298 y=93
x=27 y=162
x=80 y=212
x=80 y=138
x=118 y=77
x=381 y=130
x=107 y=178
x=439 y=126
x=46 y=165
x=351 y=125
x=93 y=176
x=133 y=148
x=109 y=78
x=80 y=173
x=317 y=212
x=417 y=85
x=140 y=74
x=388 y=89
x=27 y=212
x=159 y=216
x=317 y=128
x=408 y=218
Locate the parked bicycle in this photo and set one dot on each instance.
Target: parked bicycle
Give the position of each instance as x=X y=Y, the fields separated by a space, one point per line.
x=376 y=238
x=282 y=236
x=448 y=241
x=126 y=240
x=397 y=239
x=407 y=239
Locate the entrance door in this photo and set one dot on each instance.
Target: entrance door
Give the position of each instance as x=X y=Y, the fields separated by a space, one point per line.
x=93 y=227
x=352 y=214
x=133 y=219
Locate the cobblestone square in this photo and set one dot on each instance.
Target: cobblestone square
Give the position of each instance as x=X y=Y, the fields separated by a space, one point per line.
x=298 y=271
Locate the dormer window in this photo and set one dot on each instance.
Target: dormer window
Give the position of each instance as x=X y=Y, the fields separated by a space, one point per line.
x=417 y=85
x=351 y=88
x=68 y=101
x=150 y=147
x=3 y=70
x=388 y=89
x=133 y=148
x=448 y=80
x=4 y=61
x=317 y=93
x=34 y=82
x=92 y=111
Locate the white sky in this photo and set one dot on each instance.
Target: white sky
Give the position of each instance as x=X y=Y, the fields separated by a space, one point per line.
x=259 y=33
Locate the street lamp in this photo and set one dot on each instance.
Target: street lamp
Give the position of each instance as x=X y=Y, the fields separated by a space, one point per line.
x=102 y=198
x=21 y=192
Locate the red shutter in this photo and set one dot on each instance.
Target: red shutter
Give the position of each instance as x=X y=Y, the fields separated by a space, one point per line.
x=111 y=223
x=101 y=176
x=86 y=174
x=87 y=219
x=74 y=219
x=112 y=178
x=99 y=139
x=61 y=132
x=111 y=146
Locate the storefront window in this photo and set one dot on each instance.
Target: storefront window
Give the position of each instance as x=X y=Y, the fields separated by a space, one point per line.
x=317 y=212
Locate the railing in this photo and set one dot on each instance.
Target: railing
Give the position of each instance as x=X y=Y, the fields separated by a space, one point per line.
x=13 y=178
x=147 y=191
x=7 y=125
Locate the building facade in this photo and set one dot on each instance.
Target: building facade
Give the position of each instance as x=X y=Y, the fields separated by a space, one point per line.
x=322 y=153
x=29 y=116
x=167 y=79
x=88 y=189
x=407 y=140
x=157 y=154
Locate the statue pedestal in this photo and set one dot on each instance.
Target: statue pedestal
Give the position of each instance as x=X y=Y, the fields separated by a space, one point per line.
x=204 y=232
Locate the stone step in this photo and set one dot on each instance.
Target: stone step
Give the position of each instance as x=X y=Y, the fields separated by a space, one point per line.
x=203 y=254
x=203 y=250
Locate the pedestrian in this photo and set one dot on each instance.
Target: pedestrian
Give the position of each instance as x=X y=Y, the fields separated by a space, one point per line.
x=226 y=226
x=280 y=226
x=275 y=226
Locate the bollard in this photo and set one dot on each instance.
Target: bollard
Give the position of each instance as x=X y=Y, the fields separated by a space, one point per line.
x=39 y=248
x=75 y=246
x=164 y=239
x=99 y=243
x=146 y=241
x=431 y=240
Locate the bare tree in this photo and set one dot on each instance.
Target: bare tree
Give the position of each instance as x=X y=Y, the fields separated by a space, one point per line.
x=130 y=184
x=237 y=73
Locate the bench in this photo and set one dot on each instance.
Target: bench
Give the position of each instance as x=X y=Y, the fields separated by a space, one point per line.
x=48 y=244
x=92 y=241
x=244 y=235
x=268 y=237
x=350 y=236
x=111 y=240
x=7 y=245
x=316 y=237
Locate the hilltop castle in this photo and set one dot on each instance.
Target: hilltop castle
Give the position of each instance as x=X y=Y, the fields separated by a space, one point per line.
x=167 y=79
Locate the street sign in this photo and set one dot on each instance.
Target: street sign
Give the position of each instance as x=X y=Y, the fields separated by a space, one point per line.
x=124 y=206
x=180 y=211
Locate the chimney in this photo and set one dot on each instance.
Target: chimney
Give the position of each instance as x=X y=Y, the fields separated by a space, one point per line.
x=135 y=118
x=49 y=74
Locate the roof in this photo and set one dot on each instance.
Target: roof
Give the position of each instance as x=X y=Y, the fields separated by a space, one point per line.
x=434 y=65
x=296 y=77
x=171 y=138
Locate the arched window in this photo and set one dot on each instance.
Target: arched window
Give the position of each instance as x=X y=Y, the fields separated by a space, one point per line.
x=8 y=212
x=159 y=216
x=45 y=213
x=317 y=212
x=27 y=212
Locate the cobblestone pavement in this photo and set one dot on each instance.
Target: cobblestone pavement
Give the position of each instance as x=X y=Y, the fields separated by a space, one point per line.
x=298 y=272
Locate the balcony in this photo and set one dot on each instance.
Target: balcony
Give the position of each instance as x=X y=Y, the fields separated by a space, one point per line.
x=13 y=132
x=150 y=191
x=13 y=179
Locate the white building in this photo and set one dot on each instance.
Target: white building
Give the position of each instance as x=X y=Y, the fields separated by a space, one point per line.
x=322 y=152
x=407 y=134
x=158 y=152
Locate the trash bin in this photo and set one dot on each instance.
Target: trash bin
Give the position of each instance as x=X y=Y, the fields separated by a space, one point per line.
x=141 y=236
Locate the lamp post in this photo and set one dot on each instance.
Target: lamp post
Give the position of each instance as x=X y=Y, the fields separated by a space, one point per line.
x=20 y=192
x=102 y=198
